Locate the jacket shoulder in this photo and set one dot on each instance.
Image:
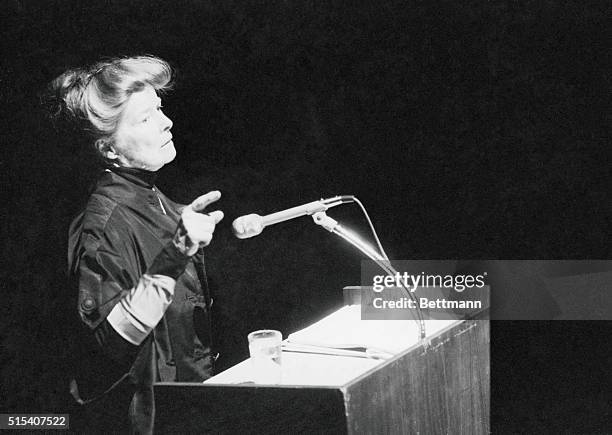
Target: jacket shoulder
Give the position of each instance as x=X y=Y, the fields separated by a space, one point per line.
x=102 y=215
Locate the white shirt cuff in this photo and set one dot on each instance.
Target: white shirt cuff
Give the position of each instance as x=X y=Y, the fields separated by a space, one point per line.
x=135 y=316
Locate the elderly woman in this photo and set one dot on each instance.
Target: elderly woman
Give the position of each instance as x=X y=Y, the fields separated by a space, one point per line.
x=135 y=256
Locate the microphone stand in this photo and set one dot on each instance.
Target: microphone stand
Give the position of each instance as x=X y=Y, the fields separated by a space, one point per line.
x=331 y=225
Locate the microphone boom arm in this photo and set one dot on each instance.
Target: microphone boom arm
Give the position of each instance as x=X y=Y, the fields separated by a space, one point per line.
x=331 y=225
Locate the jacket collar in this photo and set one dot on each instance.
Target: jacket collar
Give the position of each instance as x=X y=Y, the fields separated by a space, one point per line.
x=127 y=190
x=133 y=192
x=140 y=177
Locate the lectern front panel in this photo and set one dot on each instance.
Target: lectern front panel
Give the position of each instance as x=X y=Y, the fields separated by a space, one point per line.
x=246 y=409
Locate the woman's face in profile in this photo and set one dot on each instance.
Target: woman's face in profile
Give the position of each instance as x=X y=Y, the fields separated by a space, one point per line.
x=143 y=139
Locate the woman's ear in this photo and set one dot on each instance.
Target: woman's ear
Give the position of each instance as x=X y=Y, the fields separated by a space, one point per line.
x=105 y=149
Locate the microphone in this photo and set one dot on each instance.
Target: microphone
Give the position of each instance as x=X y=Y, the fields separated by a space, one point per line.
x=253 y=224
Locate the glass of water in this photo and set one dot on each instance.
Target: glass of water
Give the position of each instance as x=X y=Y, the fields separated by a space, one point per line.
x=265 y=351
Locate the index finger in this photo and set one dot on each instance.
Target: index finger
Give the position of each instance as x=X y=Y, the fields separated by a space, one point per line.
x=201 y=202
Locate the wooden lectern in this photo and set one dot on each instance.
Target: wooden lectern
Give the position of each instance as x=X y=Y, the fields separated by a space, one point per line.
x=443 y=389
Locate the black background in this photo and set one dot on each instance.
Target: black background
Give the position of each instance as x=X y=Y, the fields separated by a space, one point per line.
x=468 y=129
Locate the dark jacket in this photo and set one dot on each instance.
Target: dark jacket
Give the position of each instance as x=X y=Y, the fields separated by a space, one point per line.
x=125 y=231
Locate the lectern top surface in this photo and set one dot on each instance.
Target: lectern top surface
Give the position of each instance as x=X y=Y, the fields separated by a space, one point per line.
x=303 y=369
x=334 y=334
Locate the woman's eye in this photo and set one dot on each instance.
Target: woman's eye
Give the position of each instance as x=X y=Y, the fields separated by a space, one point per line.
x=144 y=120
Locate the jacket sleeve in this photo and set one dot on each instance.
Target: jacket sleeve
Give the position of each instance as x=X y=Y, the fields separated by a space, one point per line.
x=122 y=309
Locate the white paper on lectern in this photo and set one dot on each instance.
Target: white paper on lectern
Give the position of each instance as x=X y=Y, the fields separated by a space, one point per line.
x=344 y=329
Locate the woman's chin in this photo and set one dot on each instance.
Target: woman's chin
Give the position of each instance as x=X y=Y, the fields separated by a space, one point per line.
x=167 y=153
x=170 y=151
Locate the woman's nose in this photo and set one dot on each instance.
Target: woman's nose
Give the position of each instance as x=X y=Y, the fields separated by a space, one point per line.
x=166 y=122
